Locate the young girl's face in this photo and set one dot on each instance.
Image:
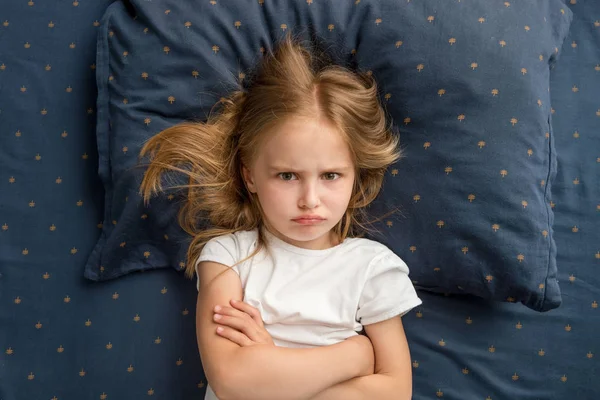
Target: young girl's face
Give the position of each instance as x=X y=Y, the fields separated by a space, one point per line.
x=303 y=177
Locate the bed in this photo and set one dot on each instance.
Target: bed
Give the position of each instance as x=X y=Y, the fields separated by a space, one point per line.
x=497 y=105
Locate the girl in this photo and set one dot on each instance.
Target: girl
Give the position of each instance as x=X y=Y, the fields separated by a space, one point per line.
x=284 y=173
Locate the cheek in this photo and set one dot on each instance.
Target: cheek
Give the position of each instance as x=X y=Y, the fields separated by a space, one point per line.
x=272 y=198
x=340 y=197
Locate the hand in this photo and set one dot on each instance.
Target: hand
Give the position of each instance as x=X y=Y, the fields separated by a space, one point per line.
x=366 y=354
x=242 y=324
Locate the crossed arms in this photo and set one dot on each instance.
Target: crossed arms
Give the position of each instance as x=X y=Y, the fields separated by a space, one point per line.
x=259 y=371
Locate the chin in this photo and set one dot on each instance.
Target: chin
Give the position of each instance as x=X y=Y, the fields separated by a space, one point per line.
x=306 y=233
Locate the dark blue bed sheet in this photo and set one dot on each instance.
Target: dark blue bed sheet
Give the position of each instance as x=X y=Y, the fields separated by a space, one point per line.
x=63 y=337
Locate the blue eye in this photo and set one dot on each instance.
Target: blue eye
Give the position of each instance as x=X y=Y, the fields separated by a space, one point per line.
x=331 y=176
x=287 y=176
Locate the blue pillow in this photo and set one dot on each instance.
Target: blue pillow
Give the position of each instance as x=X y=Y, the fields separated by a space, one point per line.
x=465 y=82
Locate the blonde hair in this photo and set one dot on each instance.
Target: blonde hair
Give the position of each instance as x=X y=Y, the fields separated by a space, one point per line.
x=290 y=82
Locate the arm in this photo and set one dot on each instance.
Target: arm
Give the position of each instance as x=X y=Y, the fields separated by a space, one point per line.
x=393 y=375
x=264 y=372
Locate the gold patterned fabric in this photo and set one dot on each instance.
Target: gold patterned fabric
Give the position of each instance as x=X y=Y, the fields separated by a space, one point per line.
x=63 y=336
x=467 y=86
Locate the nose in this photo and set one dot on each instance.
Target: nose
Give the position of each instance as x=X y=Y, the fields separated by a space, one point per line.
x=309 y=196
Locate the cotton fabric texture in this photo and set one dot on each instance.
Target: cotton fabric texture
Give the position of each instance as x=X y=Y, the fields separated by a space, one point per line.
x=465 y=83
x=310 y=298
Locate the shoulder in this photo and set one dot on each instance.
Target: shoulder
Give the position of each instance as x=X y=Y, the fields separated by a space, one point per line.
x=368 y=247
x=374 y=252
x=230 y=248
x=235 y=240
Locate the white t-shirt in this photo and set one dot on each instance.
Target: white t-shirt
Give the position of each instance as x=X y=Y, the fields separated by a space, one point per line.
x=310 y=298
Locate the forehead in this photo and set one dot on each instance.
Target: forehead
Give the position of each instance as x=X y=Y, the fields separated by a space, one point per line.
x=306 y=143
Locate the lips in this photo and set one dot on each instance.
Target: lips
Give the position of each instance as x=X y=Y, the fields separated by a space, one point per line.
x=309 y=219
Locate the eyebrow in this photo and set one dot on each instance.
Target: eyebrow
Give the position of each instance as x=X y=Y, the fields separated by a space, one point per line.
x=290 y=169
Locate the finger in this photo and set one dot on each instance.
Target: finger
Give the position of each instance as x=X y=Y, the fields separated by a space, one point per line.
x=247 y=326
x=242 y=314
x=234 y=336
x=244 y=325
x=231 y=312
x=248 y=309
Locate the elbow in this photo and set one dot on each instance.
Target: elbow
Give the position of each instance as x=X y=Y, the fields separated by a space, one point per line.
x=221 y=395
x=230 y=383
x=240 y=377
x=222 y=383
x=220 y=390
x=223 y=391
x=216 y=384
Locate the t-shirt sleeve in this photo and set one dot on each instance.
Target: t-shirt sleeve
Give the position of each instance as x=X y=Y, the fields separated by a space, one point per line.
x=387 y=292
x=223 y=250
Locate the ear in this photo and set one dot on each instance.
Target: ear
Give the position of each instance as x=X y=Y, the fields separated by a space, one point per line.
x=247 y=175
